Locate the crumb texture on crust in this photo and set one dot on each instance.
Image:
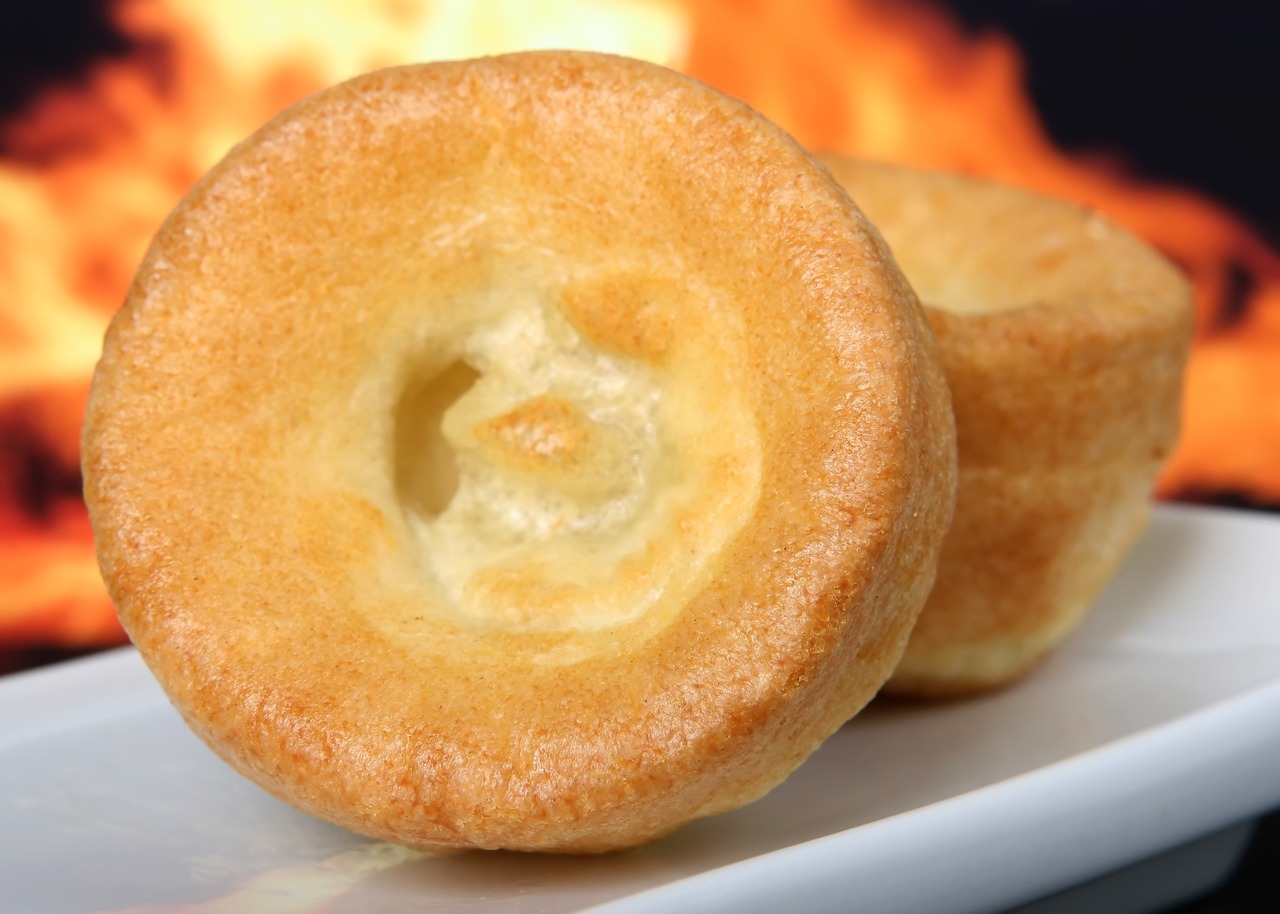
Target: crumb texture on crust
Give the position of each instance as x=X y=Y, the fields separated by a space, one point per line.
x=1064 y=339
x=497 y=454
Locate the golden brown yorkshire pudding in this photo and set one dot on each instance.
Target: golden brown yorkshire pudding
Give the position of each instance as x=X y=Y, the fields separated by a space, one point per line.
x=1063 y=338
x=534 y=452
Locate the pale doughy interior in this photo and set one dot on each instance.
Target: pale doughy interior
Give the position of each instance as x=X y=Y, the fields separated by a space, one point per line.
x=584 y=491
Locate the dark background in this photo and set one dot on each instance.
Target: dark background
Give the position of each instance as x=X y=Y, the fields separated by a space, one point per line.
x=1180 y=92
x=1185 y=92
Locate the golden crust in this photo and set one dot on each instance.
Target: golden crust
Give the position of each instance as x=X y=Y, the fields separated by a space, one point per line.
x=325 y=455
x=1064 y=340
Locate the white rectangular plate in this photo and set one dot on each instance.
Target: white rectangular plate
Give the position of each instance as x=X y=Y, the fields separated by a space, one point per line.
x=1158 y=723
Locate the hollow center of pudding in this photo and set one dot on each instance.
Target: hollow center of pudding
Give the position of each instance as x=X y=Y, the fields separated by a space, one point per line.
x=549 y=438
x=425 y=465
x=542 y=476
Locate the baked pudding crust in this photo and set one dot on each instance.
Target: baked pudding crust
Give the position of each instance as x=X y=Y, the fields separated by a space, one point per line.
x=497 y=453
x=1064 y=340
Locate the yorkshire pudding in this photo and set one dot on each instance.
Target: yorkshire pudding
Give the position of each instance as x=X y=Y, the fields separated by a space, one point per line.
x=535 y=452
x=1064 y=339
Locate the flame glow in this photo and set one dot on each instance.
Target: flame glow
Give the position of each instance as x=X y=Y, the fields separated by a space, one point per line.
x=93 y=170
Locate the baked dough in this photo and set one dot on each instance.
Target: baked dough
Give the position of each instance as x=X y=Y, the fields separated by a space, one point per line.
x=1064 y=340
x=534 y=452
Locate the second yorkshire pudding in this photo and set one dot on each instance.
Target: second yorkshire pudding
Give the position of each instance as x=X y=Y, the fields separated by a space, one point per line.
x=497 y=453
x=1064 y=340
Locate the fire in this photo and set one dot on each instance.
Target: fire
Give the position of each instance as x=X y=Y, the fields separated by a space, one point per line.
x=92 y=170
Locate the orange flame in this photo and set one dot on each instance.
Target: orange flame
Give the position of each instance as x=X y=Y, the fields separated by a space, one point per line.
x=94 y=169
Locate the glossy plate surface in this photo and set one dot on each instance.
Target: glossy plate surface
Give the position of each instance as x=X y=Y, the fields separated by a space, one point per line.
x=1157 y=724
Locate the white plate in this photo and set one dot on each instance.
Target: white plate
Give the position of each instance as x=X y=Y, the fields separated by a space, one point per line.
x=1157 y=724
